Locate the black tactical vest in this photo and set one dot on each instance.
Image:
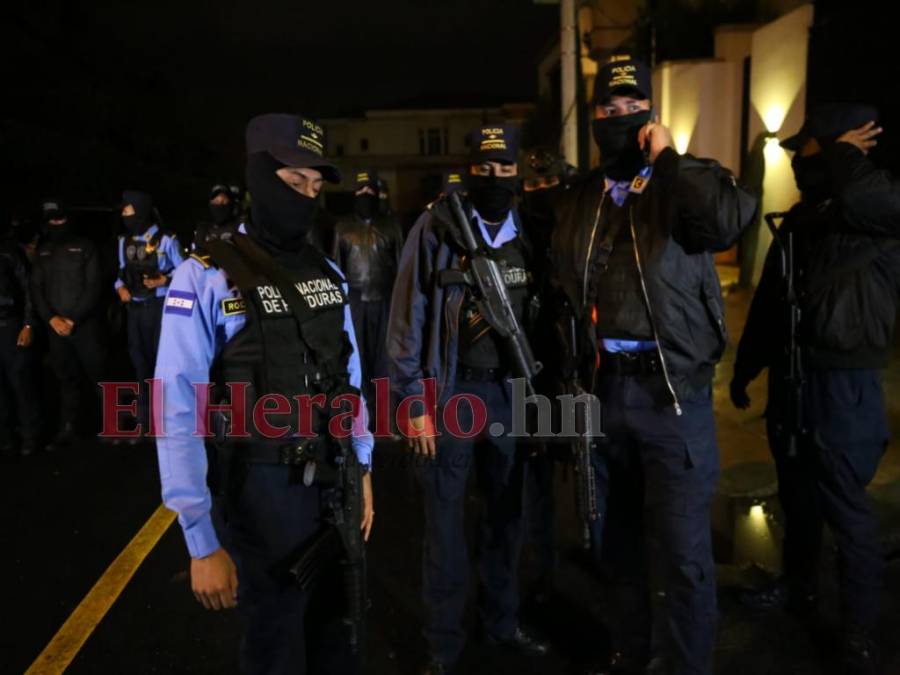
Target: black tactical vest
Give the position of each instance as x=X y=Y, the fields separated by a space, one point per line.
x=141 y=259
x=616 y=287
x=293 y=342
x=479 y=345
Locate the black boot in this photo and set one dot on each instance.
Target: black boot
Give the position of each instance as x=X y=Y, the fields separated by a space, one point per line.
x=29 y=447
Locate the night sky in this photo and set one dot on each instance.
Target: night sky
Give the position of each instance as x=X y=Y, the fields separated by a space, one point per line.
x=153 y=90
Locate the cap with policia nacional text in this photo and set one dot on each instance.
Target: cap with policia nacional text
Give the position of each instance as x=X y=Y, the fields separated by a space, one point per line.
x=452 y=181
x=494 y=143
x=828 y=121
x=53 y=209
x=296 y=142
x=622 y=76
x=367 y=178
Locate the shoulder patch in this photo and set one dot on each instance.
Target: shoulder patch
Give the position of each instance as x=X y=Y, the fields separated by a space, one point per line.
x=202 y=259
x=232 y=306
x=180 y=302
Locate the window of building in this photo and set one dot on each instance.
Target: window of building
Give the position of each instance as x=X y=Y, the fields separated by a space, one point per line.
x=339 y=150
x=364 y=144
x=435 y=144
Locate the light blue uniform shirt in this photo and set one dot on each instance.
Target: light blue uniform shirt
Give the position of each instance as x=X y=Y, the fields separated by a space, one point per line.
x=194 y=330
x=506 y=233
x=618 y=192
x=168 y=257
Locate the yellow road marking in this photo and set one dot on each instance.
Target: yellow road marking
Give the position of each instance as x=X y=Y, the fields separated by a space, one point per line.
x=70 y=638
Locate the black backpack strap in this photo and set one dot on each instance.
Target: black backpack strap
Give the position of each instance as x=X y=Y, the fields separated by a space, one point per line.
x=224 y=255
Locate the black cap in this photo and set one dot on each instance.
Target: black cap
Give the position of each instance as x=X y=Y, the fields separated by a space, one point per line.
x=294 y=141
x=622 y=76
x=53 y=209
x=494 y=143
x=220 y=189
x=367 y=178
x=828 y=121
x=453 y=181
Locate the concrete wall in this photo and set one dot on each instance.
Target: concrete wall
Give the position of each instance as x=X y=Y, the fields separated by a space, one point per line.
x=778 y=106
x=700 y=101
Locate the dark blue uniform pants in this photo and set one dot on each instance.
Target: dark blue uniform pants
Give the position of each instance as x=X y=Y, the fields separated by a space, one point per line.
x=660 y=475
x=370 y=326
x=77 y=361
x=17 y=385
x=286 y=631
x=144 y=323
x=826 y=483
x=445 y=566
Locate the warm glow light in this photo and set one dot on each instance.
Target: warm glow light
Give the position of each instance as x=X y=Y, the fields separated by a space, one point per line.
x=773 y=152
x=757 y=512
x=682 y=141
x=773 y=117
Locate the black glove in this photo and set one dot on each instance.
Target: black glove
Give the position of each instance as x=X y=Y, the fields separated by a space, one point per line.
x=739 y=396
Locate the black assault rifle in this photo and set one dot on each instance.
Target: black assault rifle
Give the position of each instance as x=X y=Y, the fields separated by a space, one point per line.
x=794 y=427
x=340 y=477
x=587 y=504
x=491 y=296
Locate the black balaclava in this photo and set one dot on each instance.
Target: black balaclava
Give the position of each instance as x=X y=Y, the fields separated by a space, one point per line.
x=142 y=219
x=221 y=213
x=492 y=196
x=366 y=206
x=621 y=157
x=282 y=217
x=811 y=175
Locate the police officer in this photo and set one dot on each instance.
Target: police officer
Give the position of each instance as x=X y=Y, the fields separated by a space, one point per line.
x=147 y=257
x=224 y=214
x=230 y=317
x=17 y=374
x=632 y=255
x=436 y=331
x=367 y=249
x=66 y=290
x=847 y=265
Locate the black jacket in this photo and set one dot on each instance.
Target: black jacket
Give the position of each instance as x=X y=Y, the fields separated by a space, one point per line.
x=66 y=280
x=15 y=294
x=689 y=209
x=847 y=256
x=368 y=254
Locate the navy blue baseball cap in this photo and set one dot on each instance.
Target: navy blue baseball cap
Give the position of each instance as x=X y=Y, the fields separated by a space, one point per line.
x=494 y=143
x=297 y=142
x=828 y=121
x=367 y=178
x=623 y=76
x=453 y=181
x=53 y=209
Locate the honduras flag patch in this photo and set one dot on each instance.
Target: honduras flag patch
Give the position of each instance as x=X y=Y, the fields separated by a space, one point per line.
x=180 y=302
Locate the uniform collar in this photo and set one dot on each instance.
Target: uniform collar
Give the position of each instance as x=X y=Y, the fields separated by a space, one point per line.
x=619 y=190
x=508 y=230
x=148 y=235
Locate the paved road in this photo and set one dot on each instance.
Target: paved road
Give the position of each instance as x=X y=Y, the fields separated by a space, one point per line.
x=65 y=517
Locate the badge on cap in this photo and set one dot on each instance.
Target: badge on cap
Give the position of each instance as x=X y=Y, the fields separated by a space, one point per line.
x=363 y=177
x=311 y=135
x=492 y=138
x=454 y=178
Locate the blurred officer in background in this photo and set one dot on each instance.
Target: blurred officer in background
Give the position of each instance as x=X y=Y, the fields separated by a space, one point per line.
x=18 y=393
x=224 y=214
x=66 y=292
x=367 y=249
x=147 y=257
x=827 y=446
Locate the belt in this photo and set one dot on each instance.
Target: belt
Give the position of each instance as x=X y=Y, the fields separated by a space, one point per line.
x=475 y=374
x=287 y=454
x=630 y=363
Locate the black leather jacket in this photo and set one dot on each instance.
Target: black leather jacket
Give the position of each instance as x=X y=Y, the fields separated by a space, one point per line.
x=368 y=253
x=689 y=209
